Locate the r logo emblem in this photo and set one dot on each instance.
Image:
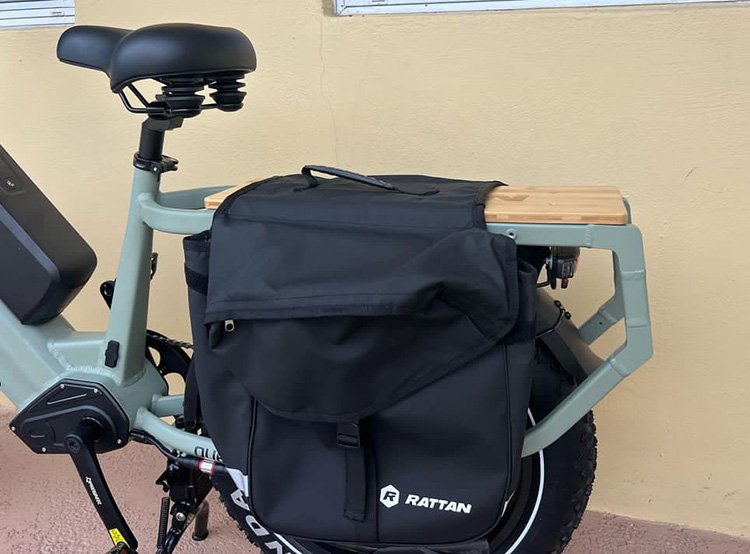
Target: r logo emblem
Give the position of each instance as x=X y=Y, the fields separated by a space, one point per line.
x=389 y=496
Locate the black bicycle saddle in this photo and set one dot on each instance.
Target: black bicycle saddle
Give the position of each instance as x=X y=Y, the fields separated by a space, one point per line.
x=163 y=52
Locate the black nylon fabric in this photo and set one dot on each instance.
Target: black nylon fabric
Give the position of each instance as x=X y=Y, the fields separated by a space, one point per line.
x=395 y=312
x=227 y=411
x=384 y=290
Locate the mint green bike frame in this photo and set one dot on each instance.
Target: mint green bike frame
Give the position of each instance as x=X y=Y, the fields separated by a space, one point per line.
x=36 y=358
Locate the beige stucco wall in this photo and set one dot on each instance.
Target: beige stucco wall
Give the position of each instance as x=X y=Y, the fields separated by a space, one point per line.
x=653 y=100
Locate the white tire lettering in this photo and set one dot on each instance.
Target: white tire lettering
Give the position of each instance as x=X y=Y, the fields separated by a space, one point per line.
x=257 y=528
x=239 y=500
x=275 y=545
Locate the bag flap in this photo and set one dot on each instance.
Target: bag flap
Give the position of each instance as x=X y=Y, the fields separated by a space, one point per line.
x=341 y=340
x=344 y=308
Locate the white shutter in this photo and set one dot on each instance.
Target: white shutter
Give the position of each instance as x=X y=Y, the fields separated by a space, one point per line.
x=352 y=7
x=31 y=13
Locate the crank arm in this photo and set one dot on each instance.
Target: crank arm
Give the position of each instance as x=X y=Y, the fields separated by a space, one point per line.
x=80 y=446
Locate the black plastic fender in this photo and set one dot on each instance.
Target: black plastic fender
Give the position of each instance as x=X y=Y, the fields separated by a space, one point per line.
x=558 y=333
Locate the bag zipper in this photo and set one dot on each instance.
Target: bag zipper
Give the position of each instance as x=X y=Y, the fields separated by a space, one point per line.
x=229 y=325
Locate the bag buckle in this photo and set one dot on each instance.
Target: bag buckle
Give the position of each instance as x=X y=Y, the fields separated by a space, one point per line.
x=347 y=435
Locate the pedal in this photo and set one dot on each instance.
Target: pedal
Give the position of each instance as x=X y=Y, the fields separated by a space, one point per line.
x=81 y=447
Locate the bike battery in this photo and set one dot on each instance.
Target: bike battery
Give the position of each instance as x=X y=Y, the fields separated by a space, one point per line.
x=44 y=261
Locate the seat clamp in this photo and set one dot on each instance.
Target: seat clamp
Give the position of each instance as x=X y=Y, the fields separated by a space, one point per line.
x=347 y=435
x=162 y=166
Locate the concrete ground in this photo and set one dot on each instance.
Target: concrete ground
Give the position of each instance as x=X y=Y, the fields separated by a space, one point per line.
x=44 y=509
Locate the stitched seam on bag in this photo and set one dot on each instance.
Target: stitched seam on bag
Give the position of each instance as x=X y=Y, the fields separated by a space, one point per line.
x=504 y=494
x=271 y=301
x=284 y=298
x=222 y=309
x=509 y=420
x=500 y=514
x=320 y=296
x=250 y=454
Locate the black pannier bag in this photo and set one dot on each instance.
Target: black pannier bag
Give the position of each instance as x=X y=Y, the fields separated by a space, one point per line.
x=362 y=347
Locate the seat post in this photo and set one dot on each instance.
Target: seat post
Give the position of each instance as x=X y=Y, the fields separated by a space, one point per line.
x=151 y=145
x=150 y=155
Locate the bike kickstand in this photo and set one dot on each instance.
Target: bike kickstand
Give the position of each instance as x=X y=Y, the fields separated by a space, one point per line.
x=200 y=527
x=180 y=522
x=187 y=488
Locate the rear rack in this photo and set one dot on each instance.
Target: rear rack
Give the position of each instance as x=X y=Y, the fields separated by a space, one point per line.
x=586 y=217
x=629 y=302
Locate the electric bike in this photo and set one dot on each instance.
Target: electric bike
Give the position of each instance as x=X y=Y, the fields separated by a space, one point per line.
x=80 y=394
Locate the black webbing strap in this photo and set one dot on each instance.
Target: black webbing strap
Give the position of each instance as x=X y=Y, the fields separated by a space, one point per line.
x=348 y=437
x=196 y=281
x=191 y=403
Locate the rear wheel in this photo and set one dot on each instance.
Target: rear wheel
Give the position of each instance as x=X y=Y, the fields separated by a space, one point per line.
x=547 y=506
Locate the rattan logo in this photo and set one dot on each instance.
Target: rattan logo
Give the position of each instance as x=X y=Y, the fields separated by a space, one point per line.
x=389 y=496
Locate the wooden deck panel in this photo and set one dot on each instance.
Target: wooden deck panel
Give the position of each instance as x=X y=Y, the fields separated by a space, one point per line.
x=602 y=205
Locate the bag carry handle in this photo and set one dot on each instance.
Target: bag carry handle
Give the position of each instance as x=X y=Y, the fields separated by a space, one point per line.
x=307 y=173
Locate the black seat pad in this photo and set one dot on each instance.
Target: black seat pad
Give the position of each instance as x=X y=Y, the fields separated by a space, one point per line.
x=157 y=51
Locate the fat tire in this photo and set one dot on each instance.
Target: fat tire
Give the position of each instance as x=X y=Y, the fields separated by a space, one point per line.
x=570 y=465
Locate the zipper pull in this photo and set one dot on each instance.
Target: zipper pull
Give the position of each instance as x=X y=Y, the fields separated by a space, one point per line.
x=229 y=325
